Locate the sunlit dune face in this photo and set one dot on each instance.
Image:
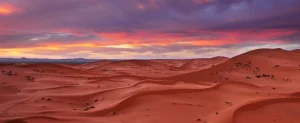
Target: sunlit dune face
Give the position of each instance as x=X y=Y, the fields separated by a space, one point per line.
x=6 y=9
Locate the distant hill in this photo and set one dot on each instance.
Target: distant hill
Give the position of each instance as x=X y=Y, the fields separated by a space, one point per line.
x=296 y=51
x=253 y=63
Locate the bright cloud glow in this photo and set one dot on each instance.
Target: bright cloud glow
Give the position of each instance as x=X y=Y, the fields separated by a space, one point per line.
x=145 y=28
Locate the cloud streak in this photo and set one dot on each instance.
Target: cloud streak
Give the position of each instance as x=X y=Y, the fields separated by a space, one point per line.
x=142 y=28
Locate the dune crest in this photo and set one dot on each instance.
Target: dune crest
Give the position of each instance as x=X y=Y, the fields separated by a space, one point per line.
x=296 y=51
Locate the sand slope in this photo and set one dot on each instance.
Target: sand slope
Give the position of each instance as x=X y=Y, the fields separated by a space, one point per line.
x=153 y=68
x=260 y=86
x=296 y=51
x=259 y=65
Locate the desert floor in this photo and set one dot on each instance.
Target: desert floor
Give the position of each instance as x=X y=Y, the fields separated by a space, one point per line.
x=260 y=86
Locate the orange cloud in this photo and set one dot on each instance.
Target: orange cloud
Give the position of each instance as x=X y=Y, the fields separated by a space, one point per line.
x=58 y=46
x=150 y=38
x=212 y=43
x=162 y=39
x=6 y=9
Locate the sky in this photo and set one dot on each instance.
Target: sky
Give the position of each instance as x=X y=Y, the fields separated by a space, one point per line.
x=145 y=29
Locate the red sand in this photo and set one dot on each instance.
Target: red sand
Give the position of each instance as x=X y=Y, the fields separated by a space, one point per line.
x=260 y=86
x=296 y=51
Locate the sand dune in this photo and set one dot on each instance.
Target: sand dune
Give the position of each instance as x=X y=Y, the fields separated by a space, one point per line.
x=259 y=86
x=296 y=51
x=202 y=63
x=279 y=110
x=261 y=65
x=153 y=68
x=88 y=66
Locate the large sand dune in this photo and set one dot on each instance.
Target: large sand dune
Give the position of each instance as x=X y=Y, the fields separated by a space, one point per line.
x=260 y=86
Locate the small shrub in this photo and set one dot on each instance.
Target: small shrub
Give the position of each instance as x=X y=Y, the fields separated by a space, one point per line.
x=258 y=76
x=86 y=109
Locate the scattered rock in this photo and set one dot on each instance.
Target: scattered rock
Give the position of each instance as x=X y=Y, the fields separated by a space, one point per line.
x=229 y=103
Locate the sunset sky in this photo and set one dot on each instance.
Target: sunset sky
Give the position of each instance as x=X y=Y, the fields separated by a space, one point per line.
x=140 y=29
